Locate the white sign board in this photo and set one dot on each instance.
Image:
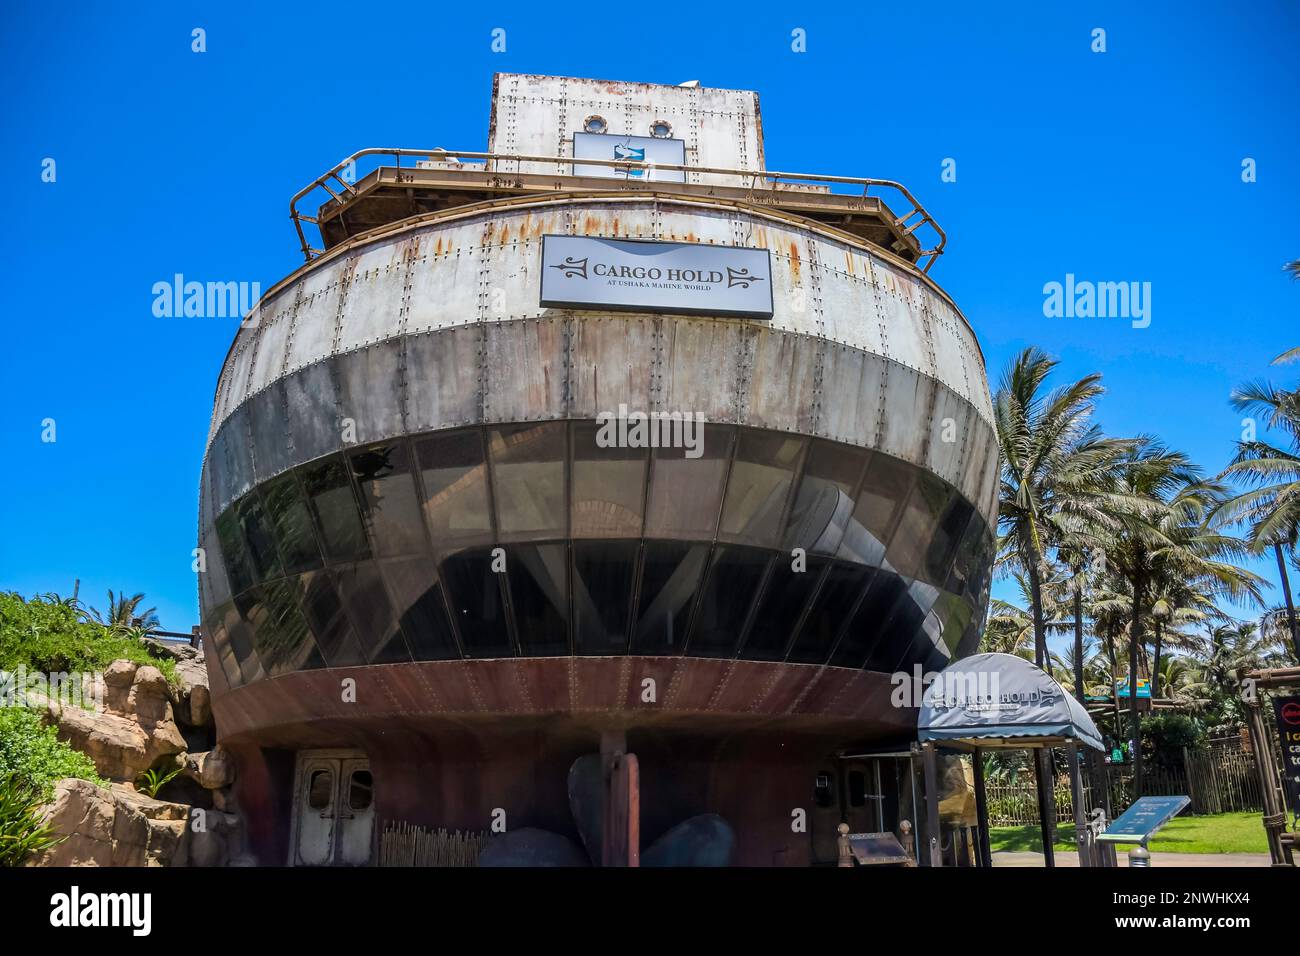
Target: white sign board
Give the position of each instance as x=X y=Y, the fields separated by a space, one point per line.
x=640 y=275
x=640 y=152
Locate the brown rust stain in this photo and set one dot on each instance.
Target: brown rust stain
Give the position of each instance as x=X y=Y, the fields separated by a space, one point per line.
x=794 y=261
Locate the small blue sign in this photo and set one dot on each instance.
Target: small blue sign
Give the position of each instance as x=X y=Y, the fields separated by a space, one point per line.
x=1145 y=817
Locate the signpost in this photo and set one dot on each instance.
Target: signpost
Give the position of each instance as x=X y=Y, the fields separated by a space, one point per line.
x=1139 y=823
x=1287 y=710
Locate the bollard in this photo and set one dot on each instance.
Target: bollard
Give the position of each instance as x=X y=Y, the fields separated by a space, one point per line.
x=1139 y=856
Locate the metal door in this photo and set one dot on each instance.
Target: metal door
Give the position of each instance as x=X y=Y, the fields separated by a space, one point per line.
x=334 y=810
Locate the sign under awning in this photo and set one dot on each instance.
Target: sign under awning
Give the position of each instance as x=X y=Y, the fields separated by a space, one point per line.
x=986 y=698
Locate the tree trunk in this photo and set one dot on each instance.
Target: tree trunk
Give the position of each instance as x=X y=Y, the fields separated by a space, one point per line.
x=1290 y=607
x=1078 y=645
x=1036 y=602
x=1134 y=640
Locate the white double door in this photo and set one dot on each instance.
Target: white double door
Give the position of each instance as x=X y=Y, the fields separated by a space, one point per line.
x=334 y=809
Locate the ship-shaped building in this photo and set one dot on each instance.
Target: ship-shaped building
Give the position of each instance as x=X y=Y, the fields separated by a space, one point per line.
x=586 y=492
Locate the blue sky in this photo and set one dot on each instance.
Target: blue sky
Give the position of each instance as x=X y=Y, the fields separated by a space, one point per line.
x=1115 y=166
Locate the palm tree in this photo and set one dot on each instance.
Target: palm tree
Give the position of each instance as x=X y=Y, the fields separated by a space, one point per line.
x=1271 y=507
x=124 y=611
x=1054 y=462
x=1167 y=536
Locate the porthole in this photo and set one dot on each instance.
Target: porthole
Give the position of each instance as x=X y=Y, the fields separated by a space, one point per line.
x=661 y=129
x=594 y=124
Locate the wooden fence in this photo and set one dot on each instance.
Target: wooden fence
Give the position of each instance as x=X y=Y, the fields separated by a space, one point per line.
x=1219 y=779
x=401 y=844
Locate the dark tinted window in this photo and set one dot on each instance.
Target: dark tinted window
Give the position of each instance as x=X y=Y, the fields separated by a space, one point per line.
x=686 y=493
x=279 y=629
x=455 y=482
x=857 y=785
x=420 y=608
x=824 y=789
x=608 y=485
x=320 y=791
x=784 y=597
x=758 y=487
x=884 y=490
x=974 y=559
x=835 y=601
x=670 y=581
x=824 y=504
x=287 y=509
x=240 y=635
x=910 y=634
x=916 y=528
x=947 y=537
x=263 y=560
x=474 y=596
x=528 y=472
x=735 y=574
x=239 y=570
x=868 y=628
x=216 y=638
x=329 y=492
x=388 y=500
x=361 y=790
x=539 y=597
x=363 y=594
x=602 y=595
x=334 y=635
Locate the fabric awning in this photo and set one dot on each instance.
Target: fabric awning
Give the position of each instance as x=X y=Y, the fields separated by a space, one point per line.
x=987 y=698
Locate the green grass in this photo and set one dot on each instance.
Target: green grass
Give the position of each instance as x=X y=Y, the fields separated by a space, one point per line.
x=1217 y=833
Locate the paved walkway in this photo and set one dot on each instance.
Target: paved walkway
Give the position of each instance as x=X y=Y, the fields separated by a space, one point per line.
x=1070 y=858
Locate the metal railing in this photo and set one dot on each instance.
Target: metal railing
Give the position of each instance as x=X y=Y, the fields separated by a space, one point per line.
x=768 y=182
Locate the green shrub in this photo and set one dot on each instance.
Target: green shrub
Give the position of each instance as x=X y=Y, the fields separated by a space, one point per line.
x=21 y=829
x=32 y=753
x=1165 y=735
x=54 y=637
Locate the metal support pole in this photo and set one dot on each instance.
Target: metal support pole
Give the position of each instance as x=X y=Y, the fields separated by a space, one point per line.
x=1082 y=836
x=929 y=761
x=982 y=850
x=1046 y=804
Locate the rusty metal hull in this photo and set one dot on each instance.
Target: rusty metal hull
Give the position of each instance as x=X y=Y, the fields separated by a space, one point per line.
x=433 y=330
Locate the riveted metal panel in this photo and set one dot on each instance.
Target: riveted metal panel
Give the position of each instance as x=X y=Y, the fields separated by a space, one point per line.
x=272 y=340
x=904 y=334
x=368 y=392
x=949 y=437
x=613 y=364
x=537 y=115
x=444 y=283
x=443 y=378
x=374 y=304
x=782 y=385
x=844 y=418
x=324 y=291
x=907 y=399
x=312 y=411
x=706 y=226
x=849 y=311
x=524 y=370
x=272 y=452
x=701 y=363
x=233 y=465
